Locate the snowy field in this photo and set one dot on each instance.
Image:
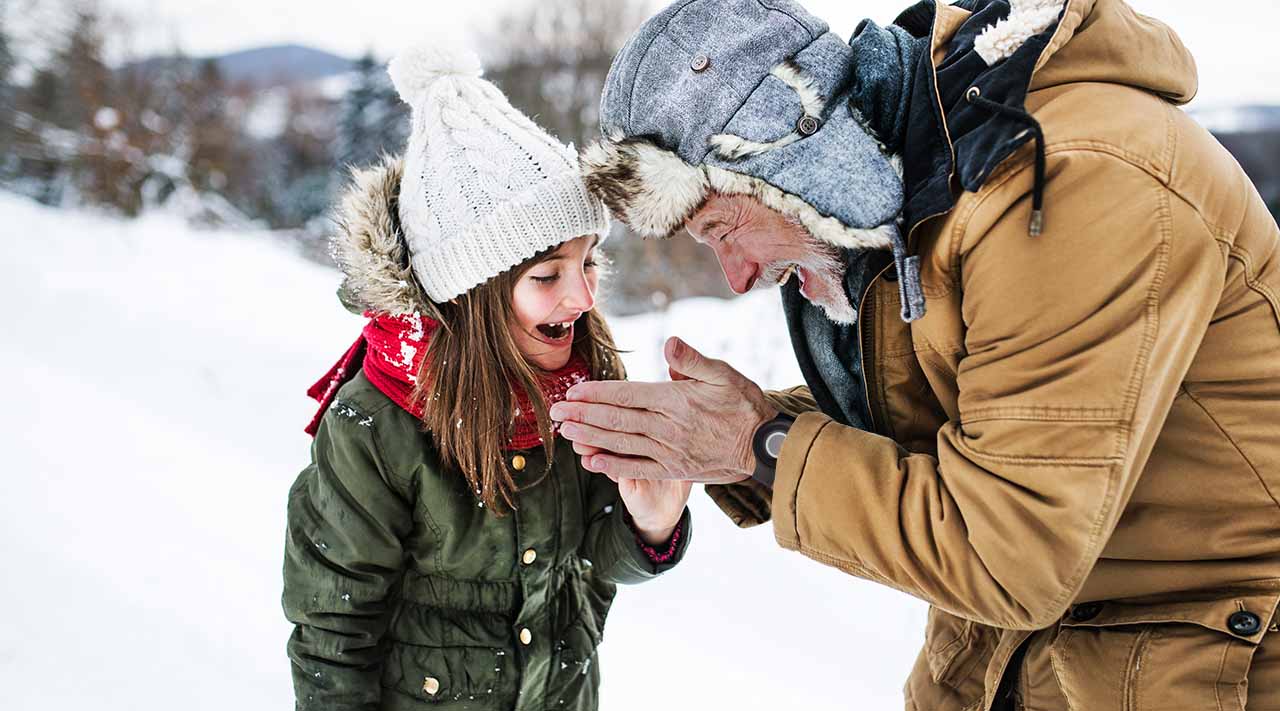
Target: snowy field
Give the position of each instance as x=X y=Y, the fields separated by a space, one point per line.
x=154 y=425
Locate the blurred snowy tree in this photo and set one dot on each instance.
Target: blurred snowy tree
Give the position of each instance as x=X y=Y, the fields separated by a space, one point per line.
x=8 y=161
x=293 y=176
x=373 y=120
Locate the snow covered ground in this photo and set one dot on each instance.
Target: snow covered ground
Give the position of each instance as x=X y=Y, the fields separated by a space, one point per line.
x=154 y=424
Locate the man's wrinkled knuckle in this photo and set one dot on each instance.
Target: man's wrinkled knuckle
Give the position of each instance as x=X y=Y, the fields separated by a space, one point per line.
x=609 y=441
x=622 y=397
x=670 y=433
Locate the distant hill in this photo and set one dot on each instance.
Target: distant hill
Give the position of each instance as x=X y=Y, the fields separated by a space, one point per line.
x=266 y=67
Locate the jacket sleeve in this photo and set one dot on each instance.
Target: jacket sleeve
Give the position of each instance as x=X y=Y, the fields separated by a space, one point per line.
x=747 y=503
x=609 y=542
x=347 y=516
x=1077 y=343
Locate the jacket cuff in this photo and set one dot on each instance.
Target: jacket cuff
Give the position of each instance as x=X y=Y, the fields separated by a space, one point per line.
x=663 y=553
x=679 y=543
x=635 y=563
x=791 y=465
x=794 y=401
x=747 y=503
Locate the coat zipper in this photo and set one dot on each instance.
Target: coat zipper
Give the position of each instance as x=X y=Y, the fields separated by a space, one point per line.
x=866 y=338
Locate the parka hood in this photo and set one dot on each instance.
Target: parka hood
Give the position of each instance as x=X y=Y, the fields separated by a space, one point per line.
x=969 y=103
x=1106 y=41
x=369 y=247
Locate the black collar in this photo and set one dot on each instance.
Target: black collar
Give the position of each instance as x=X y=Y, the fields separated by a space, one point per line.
x=980 y=139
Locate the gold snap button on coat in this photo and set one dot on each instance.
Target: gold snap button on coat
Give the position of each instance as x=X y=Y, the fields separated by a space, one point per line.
x=530 y=556
x=431 y=685
x=518 y=462
x=700 y=63
x=526 y=637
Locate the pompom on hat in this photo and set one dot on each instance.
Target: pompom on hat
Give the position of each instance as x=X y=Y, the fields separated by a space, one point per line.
x=484 y=188
x=416 y=70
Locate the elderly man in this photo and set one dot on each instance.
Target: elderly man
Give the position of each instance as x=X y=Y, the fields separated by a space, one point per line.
x=1036 y=308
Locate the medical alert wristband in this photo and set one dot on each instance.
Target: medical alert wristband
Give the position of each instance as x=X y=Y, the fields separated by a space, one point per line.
x=767 y=446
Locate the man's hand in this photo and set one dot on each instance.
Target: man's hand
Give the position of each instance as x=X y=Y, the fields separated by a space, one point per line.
x=697 y=428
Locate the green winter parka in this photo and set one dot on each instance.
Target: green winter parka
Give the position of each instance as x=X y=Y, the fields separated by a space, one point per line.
x=407 y=593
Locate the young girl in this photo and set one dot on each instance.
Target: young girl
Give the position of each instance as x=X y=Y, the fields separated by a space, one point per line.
x=444 y=546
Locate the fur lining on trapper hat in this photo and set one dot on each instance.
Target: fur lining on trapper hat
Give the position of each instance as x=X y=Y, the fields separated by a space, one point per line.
x=655 y=191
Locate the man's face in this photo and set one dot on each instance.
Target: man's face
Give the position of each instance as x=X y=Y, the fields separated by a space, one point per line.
x=758 y=246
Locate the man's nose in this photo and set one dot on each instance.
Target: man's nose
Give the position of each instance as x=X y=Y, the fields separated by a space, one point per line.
x=740 y=273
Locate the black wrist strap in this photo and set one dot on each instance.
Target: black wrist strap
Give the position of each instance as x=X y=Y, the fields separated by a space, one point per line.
x=766 y=444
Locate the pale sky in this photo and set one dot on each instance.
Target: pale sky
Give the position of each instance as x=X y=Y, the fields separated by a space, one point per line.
x=1236 y=49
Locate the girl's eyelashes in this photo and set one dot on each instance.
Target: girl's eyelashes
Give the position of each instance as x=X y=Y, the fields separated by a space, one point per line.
x=552 y=278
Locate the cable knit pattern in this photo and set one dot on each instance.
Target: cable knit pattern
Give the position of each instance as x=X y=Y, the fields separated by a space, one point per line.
x=1026 y=19
x=484 y=188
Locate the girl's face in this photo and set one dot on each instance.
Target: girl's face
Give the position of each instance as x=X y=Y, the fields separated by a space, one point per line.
x=550 y=297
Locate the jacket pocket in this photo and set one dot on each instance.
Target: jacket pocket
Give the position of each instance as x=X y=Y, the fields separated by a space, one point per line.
x=1188 y=654
x=450 y=674
x=575 y=671
x=957 y=651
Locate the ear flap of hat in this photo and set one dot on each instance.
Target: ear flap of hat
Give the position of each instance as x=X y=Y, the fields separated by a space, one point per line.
x=651 y=189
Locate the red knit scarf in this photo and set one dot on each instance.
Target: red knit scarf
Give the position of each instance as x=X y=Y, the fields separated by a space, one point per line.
x=390 y=351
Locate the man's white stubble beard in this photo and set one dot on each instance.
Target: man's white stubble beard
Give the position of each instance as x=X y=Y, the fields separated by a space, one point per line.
x=823 y=263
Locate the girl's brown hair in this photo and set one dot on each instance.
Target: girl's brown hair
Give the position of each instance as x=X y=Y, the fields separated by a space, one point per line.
x=472 y=370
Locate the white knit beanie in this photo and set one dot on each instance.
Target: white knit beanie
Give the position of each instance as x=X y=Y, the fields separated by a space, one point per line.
x=484 y=188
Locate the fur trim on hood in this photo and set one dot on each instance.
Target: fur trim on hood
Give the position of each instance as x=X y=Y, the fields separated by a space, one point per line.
x=369 y=247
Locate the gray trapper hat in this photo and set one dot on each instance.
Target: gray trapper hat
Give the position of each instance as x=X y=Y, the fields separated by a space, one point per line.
x=754 y=98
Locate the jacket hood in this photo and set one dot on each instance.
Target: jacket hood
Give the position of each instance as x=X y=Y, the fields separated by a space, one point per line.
x=968 y=108
x=369 y=246
x=1106 y=41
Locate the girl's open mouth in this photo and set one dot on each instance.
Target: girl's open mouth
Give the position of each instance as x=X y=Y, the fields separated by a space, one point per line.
x=556 y=332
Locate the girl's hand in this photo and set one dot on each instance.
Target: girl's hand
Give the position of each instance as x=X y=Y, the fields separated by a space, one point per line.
x=655 y=506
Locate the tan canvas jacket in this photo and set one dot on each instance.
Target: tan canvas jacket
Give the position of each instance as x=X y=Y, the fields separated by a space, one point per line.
x=1078 y=447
